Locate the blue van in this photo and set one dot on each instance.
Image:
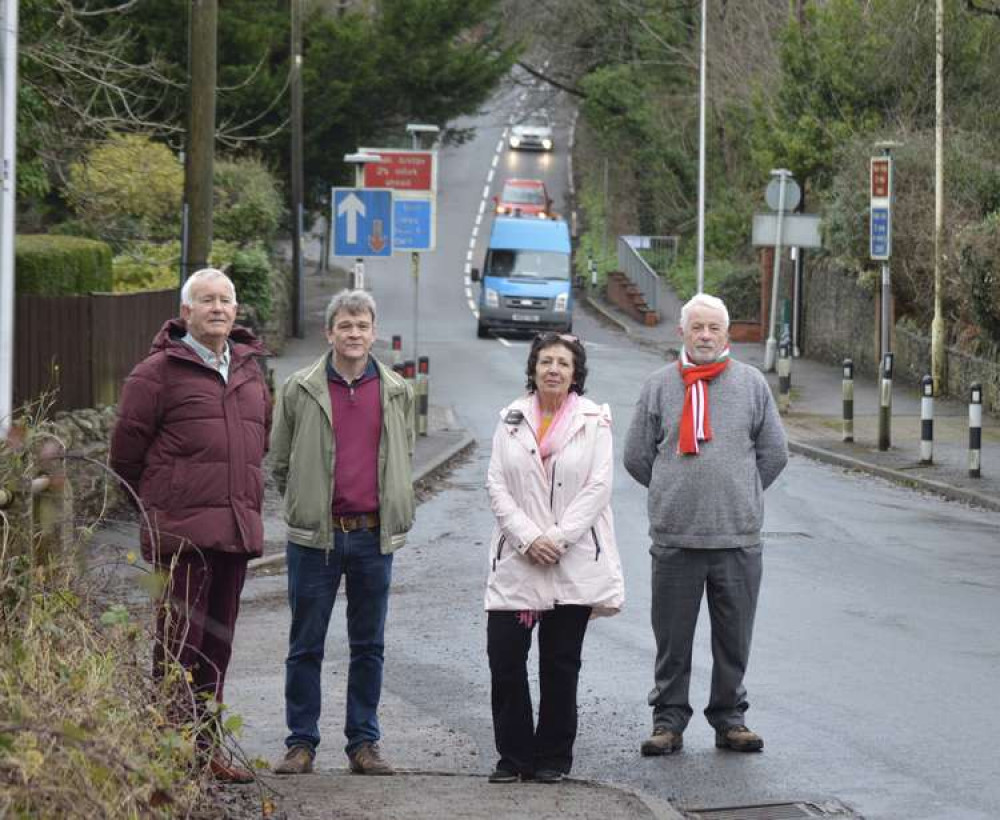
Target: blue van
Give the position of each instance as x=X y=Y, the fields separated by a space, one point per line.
x=526 y=282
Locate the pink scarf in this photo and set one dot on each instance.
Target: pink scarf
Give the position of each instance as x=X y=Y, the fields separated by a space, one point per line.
x=555 y=438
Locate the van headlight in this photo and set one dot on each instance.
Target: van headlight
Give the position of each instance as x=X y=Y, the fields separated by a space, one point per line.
x=492 y=298
x=562 y=300
x=515 y=141
x=547 y=145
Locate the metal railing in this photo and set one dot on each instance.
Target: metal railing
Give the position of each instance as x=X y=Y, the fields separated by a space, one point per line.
x=637 y=269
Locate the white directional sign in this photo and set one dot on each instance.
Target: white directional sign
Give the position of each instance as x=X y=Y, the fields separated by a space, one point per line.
x=362 y=222
x=797 y=230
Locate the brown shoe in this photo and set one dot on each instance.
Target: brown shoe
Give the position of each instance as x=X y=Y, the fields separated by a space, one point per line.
x=367 y=759
x=739 y=739
x=664 y=741
x=228 y=772
x=297 y=760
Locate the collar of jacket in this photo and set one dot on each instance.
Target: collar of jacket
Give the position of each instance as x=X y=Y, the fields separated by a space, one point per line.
x=243 y=345
x=314 y=382
x=585 y=408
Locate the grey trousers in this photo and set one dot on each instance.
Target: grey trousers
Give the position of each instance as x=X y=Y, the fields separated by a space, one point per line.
x=731 y=578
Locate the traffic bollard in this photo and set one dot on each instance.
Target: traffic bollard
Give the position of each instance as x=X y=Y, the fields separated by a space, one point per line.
x=885 y=405
x=423 y=389
x=397 y=350
x=397 y=367
x=847 y=389
x=927 y=420
x=784 y=378
x=975 y=429
x=410 y=374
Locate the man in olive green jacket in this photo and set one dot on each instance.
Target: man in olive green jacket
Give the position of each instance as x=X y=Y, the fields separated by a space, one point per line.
x=341 y=449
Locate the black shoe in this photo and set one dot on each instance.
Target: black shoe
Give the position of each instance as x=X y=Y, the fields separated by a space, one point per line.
x=502 y=775
x=548 y=776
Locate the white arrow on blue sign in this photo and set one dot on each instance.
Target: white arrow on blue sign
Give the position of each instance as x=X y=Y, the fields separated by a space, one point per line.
x=413 y=224
x=362 y=221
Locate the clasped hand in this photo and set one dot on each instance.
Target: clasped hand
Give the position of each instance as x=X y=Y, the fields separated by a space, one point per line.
x=544 y=550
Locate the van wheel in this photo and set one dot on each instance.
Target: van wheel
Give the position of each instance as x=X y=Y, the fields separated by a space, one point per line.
x=482 y=331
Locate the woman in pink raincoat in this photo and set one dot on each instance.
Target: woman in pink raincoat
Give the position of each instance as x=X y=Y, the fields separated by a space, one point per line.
x=553 y=557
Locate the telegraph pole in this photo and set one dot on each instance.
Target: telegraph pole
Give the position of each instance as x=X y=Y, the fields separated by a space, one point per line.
x=298 y=289
x=938 y=360
x=200 y=154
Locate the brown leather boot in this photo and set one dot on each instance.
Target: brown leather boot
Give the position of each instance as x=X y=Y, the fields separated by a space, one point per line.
x=226 y=771
x=664 y=741
x=738 y=739
x=297 y=760
x=367 y=759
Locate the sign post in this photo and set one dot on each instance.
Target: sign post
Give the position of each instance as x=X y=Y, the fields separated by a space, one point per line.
x=784 y=180
x=880 y=249
x=8 y=188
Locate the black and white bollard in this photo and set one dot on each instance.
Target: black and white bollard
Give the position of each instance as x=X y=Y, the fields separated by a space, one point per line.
x=397 y=350
x=975 y=429
x=423 y=392
x=847 y=388
x=885 y=404
x=410 y=374
x=927 y=420
x=784 y=378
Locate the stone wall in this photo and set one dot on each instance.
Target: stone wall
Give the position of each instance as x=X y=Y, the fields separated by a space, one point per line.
x=86 y=435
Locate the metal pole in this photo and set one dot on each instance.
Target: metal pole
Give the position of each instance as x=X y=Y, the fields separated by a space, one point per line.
x=295 y=87
x=886 y=299
x=975 y=429
x=796 y=300
x=885 y=405
x=8 y=201
x=415 y=266
x=701 y=148
x=938 y=358
x=927 y=420
x=847 y=389
x=772 y=344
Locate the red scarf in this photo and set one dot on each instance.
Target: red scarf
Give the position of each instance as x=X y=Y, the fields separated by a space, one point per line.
x=695 y=425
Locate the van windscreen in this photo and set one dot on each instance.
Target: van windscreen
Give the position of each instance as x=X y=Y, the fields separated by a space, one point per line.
x=513 y=264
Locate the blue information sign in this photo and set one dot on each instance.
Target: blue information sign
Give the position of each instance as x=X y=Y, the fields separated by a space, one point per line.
x=881 y=234
x=362 y=220
x=412 y=227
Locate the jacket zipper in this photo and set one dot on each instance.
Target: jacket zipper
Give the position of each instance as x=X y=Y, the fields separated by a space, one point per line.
x=597 y=552
x=552 y=487
x=499 y=551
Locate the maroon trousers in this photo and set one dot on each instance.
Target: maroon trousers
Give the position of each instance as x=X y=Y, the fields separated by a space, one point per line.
x=196 y=624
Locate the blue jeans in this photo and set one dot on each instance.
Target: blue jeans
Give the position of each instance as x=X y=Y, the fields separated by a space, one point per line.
x=313 y=579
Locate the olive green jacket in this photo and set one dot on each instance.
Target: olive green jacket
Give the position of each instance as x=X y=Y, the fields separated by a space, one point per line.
x=303 y=452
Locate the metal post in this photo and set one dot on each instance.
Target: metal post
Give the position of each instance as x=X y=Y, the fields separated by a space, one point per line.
x=784 y=378
x=975 y=429
x=796 y=300
x=423 y=394
x=886 y=299
x=295 y=91
x=397 y=350
x=772 y=344
x=415 y=267
x=927 y=420
x=847 y=389
x=8 y=203
x=885 y=404
x=702 y=83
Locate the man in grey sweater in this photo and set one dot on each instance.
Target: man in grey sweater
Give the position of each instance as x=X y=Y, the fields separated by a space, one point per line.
x=706 y=441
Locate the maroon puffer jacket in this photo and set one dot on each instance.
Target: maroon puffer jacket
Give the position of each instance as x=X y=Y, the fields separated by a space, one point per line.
x=191 y=445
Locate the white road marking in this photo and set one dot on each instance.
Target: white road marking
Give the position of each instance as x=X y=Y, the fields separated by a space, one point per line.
x=503 y=341
x=479 y=219
x=489 y=176
x=468 y=256
x=475 y=232
x=472 y=307
x=468 y=293
x=482 y=205
x=486 y=191
x=500 y=145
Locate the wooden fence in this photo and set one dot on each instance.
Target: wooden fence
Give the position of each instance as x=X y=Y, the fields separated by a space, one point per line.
x=82 y=347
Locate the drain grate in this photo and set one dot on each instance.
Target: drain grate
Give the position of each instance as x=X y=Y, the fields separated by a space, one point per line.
x=769 y=811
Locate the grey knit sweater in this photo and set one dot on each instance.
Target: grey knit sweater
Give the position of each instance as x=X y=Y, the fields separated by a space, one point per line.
x=713 y=500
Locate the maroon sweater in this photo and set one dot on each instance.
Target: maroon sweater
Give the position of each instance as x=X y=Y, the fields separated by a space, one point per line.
x=357 y=430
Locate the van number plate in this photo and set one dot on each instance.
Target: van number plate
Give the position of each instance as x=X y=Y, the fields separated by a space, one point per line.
x=525 y=317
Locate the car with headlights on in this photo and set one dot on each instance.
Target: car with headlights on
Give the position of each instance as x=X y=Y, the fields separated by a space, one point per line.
x=533 y=133
x=523 y=197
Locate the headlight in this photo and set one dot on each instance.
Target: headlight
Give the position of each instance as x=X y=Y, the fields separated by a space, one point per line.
x=515 y=141
x=542 y=215
x=547 y=145
x=492 y=299
x=501 y=209
x=562 y=300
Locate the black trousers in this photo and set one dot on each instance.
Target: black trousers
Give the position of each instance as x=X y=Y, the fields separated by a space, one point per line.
x=523 y=747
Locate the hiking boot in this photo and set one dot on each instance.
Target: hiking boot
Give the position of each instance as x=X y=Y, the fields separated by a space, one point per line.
x=548 y=776
x=367 y=759
x=502 y=775
x=297 y=760
x=664 y=741
x=225 y=771
x=739 y=739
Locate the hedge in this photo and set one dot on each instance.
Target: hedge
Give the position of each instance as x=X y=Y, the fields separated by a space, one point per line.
x=51 y=265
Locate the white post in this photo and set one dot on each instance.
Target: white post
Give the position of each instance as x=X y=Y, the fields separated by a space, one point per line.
x=701 y=147
x=772 y=344
x=8 y=194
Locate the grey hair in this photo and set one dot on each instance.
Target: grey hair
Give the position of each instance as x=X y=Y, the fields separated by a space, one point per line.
x=703 y=300
x=203 y=275
x=352 y=301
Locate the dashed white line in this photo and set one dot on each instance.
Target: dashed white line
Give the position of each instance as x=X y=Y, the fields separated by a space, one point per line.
x=468 y=256
x=479 y=219
x=503 y=341
x=468 y=293
x=496 y=159
x=472 y=307
x=486 y=191
x=475 y=232
x=500 y=144
x=482 y=205
x=489 y=176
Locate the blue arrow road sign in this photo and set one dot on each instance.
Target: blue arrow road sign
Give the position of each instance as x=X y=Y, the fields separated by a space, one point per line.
x=881 y=234
x=362 y=222
x=412 y=227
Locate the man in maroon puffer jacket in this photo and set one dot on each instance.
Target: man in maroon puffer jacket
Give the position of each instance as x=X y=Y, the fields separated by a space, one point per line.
x=193 y=426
